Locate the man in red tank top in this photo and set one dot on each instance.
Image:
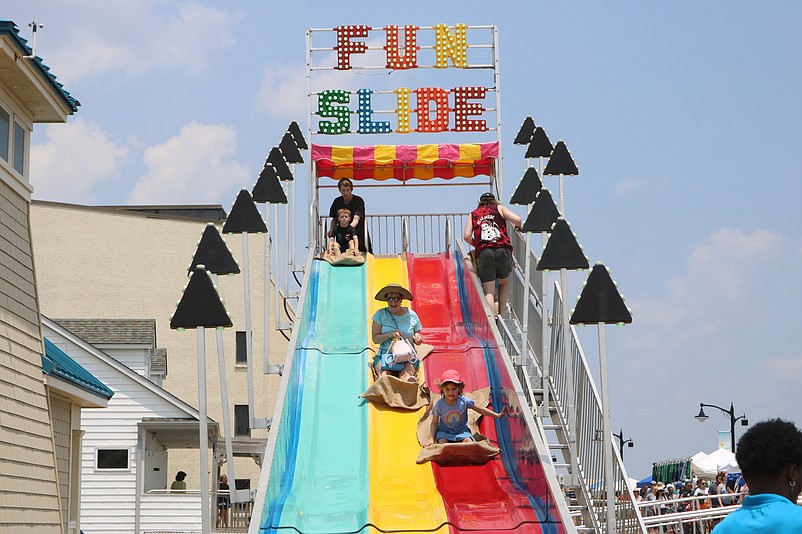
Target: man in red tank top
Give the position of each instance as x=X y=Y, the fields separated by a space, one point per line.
x=486 y=231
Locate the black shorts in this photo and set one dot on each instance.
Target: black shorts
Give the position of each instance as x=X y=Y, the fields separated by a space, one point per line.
x=493 y=263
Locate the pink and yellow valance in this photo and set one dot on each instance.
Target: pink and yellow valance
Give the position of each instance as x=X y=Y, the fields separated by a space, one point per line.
x=405 y=162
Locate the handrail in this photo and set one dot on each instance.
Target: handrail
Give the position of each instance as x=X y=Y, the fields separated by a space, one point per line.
x=420 y=233
x=448 y=239
x=404 y=235
x=542 y=372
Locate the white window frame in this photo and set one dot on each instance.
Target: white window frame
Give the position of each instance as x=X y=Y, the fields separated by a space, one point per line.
x=10 y=133
x=26 y=140
x=112 y=469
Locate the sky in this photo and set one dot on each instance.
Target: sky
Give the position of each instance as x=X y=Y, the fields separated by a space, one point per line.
x=684 y=119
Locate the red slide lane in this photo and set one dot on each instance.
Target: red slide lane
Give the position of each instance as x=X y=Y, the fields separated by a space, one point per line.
x=477 y=498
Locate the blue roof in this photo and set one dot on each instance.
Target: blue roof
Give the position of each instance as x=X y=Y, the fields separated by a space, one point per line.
x=56 y=362
x=8 y=27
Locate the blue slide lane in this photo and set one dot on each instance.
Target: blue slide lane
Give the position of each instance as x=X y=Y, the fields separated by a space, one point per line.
x=505 y=442
x=319 y=480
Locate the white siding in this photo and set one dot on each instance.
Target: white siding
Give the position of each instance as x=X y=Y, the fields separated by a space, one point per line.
x=108 y=498
x=170 y=513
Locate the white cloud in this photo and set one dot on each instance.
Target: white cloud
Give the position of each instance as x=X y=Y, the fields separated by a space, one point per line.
x=698 y=312
x=141 y=37
x=784 y=369
x=282 y=93
x=196 y=166
x=75 y=158
x=283 y=90
x=627 y=185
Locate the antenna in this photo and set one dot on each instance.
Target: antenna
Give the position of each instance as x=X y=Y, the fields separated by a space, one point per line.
x=34 y=26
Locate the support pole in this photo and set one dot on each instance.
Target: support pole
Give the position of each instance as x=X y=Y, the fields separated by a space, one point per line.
x=268 y=246
x=221 y=366
x=607 y=440
x=544 y=322
x=527 y=285
x=544 y=318
x=248 y=331
x=203 y=431
x=569 y=378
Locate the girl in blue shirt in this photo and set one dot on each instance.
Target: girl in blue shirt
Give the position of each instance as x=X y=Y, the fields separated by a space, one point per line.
x=450 y=412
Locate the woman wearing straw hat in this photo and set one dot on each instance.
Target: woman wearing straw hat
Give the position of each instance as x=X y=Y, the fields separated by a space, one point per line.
x=391 y=324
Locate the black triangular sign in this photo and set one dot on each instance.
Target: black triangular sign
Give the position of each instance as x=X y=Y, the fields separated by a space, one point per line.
x=213 y=253
x=525 y=133
x=295 y=130
x=528 y=188
x=560 y=162
x=277 y=161
x=539 y=146
x=600 y=301
x=268 y=188
x=562 y=250
x=289 y=150
x=244 y=216
x=200 y=305
x=543 y=215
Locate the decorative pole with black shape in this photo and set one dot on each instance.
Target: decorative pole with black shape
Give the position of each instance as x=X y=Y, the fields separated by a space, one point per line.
x=600 y=303
x=245 y=218
x=541 y=219
x=200 y=307
x=563 y=252
x=525 y=195
x=561 y=163
x=213 y=253
x=268 y=190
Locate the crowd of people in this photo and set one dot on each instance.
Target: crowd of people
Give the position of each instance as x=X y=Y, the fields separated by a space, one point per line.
x=658 y=498
x=770 y=458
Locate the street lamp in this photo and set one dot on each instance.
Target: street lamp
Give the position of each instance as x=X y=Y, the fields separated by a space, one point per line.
x=702 y=417
x=622 y=442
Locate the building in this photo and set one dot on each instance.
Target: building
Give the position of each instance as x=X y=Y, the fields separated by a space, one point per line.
x=70 y=388
x=125 y=449
x=122 y=263
x=30 y=498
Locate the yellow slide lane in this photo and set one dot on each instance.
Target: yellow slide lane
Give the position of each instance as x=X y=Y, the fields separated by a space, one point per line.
x=403 y=495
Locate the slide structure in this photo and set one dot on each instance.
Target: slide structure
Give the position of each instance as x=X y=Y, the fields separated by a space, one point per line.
x=338 y=464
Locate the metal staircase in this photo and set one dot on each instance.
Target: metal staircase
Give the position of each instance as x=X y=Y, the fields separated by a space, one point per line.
x=541 y=369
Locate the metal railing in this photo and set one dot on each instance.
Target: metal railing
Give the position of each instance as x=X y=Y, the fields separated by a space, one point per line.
x=534 y=359
x=423 y=233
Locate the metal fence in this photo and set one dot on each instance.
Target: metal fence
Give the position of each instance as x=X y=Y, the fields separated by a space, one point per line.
x=424 y=233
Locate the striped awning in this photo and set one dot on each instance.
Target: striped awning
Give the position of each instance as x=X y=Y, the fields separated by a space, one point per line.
x=405 y=162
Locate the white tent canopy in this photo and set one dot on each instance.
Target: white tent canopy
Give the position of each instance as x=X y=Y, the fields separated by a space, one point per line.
x=708 y=465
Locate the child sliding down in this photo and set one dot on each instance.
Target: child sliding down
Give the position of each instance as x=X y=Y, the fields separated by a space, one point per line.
x=343 y=239
x=450 y=412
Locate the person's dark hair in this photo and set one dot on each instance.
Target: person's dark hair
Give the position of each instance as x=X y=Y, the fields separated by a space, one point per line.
x=487 y=198
x=344 y=181
x=180 y=476
x=768 y=447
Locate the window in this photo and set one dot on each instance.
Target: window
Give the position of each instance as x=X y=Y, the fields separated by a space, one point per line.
x=5 y=125
x=112 y=459
x=241 y=420
x=242 y=354
x=242 y=484
x=19 y=148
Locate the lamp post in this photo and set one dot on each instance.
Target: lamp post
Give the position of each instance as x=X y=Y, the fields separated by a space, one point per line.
x=622 y=442
x=702 y=417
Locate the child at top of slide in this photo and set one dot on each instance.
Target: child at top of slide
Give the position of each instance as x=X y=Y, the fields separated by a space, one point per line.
x=343 y=238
